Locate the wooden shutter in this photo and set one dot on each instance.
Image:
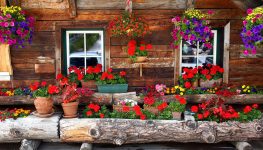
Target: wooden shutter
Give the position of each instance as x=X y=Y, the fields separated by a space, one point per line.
x=5 y=60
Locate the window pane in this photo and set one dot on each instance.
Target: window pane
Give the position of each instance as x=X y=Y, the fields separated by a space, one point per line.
x=76 y=44
x=93 y=61
x=202 y=60
x=204 y=50
x=93 y=44
x=79 y=62
x=188 y=48
x=191 y=60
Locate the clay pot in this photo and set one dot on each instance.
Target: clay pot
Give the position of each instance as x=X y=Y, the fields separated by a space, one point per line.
x=177 y=115
x=195 y=84
x=70 y=109
x=151 y=109
x=91 y=84
x=210 y=83
x=44 y=105
x=140 y=59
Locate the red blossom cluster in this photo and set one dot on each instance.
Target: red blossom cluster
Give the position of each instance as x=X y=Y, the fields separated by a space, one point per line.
x=96 y=69
x=210 y=71
x=93 y=108
x=138 y=112
x=75 y=71
x=189 y=76
x=70 y=94
x=50 y=89
x=162 y=106
x=108 y=77
x=128 y=24
x=140 y=50
x=151 y=95
x=181 y=100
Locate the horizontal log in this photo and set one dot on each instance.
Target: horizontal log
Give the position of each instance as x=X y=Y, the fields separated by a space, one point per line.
x=108 y=99
x=123 y=131
x=119 y=4
x=201 y=4
x=50 y=4
x=30 y=127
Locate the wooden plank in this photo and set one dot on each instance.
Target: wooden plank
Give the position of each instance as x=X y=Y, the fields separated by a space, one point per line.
x=201 y=4
x=27 y=74
x=142 y=82
x=30 y=127
x=44 y=68
x=44 y=26
x=22 y=83
x=50 y=4
x=72 y=8
x=123 y=131
x=226 y=52
x=146 y=4
x=32 y=54
x=5 y=61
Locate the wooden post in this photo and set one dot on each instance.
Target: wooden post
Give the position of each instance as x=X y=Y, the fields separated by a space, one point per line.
x=29 y=144
x=226 y=53
x=242 y=145
x=5 y=61
x=86 y=146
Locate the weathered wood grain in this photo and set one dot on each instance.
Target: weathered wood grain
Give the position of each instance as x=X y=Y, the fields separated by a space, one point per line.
x=201 y=4
x=122 y=131
x=44 y=68
x=145 y=4
x=30 y=127
x=50 y=4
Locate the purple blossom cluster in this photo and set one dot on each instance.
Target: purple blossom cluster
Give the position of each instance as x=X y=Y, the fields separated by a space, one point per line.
x=16 y=30
x=191 y=29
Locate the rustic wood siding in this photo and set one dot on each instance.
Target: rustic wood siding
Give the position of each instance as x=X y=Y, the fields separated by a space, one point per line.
x=162 y=58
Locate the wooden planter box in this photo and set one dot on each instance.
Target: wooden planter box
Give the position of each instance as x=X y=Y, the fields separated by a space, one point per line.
x=30 y=127
x=210 y=83
x=91 y=84
x=122 y=131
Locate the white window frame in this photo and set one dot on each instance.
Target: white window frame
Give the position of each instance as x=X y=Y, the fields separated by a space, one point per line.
x=100 y=32
x=214 y=52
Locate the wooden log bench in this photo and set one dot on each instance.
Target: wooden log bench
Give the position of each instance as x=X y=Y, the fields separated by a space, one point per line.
x=123 y=131
x=109 y=99
x=31 y=127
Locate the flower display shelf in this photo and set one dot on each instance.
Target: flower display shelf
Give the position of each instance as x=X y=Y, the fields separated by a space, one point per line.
x=31 y=127
x=123 y=131
x=140 y=66
x=109 y=98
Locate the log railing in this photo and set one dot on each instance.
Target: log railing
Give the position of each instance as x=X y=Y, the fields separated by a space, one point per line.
x=108 y=98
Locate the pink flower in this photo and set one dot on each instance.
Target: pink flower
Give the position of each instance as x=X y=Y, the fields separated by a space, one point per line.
x=245 y=52
x=249 y=11
x=210 y=12
x=207 y=29
x=8 y=16
x=244 y=22
x=6 y=24
x=248 y=33
x=12 y=24
x=254 y=51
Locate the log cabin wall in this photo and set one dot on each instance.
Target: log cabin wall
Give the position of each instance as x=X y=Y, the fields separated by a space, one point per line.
x=160 y=69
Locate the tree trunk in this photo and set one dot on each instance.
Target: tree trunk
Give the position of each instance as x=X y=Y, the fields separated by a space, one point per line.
x=120 y=131
x=30 y=127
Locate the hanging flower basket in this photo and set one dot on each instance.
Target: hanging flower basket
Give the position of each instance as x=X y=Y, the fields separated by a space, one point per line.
x=192 y=27
x=138 y=52
x=128 y=24
x=16 y=27
x=252 y=33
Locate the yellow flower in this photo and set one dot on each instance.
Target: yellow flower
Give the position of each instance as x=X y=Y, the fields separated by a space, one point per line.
x=248 y=91
x=181 y=93
x=244 y=90
x=15 y=114
x=248 y=87
x=176 y=87
x=243 y=86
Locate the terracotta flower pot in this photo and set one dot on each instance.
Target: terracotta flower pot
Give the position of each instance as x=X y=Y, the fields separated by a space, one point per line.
x=177 y=115
x=151 y=109
x=70 y=109
x=195 y=84
x=210 y=83
x=91 y=84
x=140 y=59
x=44 y=105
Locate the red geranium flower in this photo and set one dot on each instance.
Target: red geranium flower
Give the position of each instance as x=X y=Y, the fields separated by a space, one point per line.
x=206 y=114
x=125 y=108
x=255 y=106
x=142 y=48
x=247 y=109
x=208 y=77
x=52 y=89
x=110 y=76
x=205 y=72
x=89 y=113
x=132 y=43
x=190 y=75
x=104 y=75
x=89 y=70
x=187 y=85
x=96 y=108
x=131 y=51
x=194 y=109
x=200 y=116
x=149 y=46
x=102 y=115
x=185 y=77
x=143 y=117
x=182 y=101
x=221 y=70
x=122 y=73
x=59 y=76
x=109 y=70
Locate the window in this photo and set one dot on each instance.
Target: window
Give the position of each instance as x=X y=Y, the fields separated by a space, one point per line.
x=85 y=48
x=193 y=55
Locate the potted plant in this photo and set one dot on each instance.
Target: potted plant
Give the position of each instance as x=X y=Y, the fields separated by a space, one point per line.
x=70 y=102
x=138 y=53
x=252 y=33
x=109 y=82
x=89 y=79
x=96 y=111
x=16 y=28
x=42 y=94
x=129 y=25
x=192 y=27
x=177 y=107
x=124 y=105
x=210 y=75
